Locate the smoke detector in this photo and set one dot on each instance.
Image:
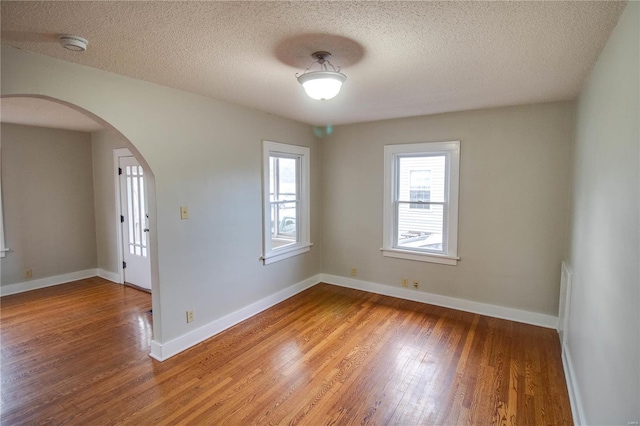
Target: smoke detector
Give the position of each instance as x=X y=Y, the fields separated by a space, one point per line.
x=72 y=42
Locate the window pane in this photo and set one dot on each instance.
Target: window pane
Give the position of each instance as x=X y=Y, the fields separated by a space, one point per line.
x=135 y=218
x=143 y=213
x=419 y=228
x=272 y=178
x=130 y=207
x=421 y=178
x=287 y=179
x=283 y=186
x=420 y=195
x=284 y=228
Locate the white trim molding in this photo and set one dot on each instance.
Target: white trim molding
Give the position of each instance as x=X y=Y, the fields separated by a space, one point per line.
x=448 y=201
x=574 y=394
x=164 y=351
x=302 y=244
x=274 y=256
x=117 y=153
x=527 y=317
x=566 y=278
x=46 y=282
x=108 y=275
x=421 y=257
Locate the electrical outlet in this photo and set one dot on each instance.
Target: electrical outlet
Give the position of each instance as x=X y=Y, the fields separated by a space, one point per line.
x=184 y=212
x=354 y=272
x=416 y=283
x=28 y=273
x=405 y=282
x=190 y=316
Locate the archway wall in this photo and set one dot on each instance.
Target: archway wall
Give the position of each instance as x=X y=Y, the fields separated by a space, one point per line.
x=204 y=154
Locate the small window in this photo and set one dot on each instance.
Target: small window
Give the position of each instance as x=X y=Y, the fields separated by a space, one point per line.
x=286 y=201
x=421 y=202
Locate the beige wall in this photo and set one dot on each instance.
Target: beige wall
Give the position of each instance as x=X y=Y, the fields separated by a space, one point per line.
x=47 y=189
x=204 y=154
x=604 y=250
x=103 y=144
x=514 y=186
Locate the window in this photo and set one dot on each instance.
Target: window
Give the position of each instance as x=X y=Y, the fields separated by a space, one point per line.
x=421 y=201
x=420 y=188
x=286 y=201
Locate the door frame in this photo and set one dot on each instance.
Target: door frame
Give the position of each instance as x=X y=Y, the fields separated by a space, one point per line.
x=117 y=153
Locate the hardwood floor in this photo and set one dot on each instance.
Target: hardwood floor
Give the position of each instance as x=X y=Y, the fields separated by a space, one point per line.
x=78 y=354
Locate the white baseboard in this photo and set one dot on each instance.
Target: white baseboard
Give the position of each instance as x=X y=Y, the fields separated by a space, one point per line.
x=46 y=282
x=574 y=393
x=527 y=317
x=108 y=275
x=163 y=351
x=156 y=351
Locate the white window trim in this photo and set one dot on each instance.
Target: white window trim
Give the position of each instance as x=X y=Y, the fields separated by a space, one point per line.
x=270 y=255
x=389 y=249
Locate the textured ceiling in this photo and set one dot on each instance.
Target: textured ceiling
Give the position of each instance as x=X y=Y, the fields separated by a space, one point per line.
x=401 y=58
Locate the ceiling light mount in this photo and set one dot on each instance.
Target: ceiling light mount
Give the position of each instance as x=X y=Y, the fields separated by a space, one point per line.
x=321 y=57
x=323 y=84
x=73 y=42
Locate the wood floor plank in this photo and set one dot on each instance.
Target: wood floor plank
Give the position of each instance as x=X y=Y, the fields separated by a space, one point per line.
x=78 y=354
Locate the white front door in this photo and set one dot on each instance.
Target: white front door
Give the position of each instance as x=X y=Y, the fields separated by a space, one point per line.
x=134 y=221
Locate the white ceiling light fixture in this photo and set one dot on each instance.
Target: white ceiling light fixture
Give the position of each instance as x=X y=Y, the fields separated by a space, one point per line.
x=323 y=84
x=72 y=42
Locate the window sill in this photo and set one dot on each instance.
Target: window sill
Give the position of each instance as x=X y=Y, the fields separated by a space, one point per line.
x=285 y=253
x=420 y=257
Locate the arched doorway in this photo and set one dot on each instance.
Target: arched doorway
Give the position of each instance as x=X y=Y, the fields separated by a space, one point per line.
x=113 y=226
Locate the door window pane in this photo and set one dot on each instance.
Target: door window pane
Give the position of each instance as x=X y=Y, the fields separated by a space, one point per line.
x=136 y=213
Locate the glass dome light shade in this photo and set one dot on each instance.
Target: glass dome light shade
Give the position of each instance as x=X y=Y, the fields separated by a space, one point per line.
x=322 y=85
